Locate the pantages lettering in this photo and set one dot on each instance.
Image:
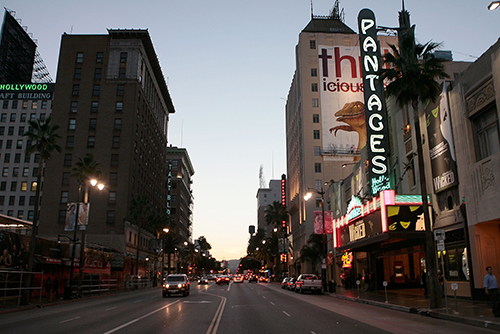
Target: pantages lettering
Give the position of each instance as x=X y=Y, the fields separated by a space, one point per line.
x=376 y=112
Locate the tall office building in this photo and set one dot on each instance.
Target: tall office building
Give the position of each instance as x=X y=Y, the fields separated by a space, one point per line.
x=266 y=197
x=112 y=101
x=325 y=119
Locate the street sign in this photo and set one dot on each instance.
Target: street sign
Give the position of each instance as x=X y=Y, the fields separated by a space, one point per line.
x=440 y=245
x=454 y=286
x=358 y=282
x=384 y=283
x=439 y=235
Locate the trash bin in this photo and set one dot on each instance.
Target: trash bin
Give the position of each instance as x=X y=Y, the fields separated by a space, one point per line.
x=331 y=286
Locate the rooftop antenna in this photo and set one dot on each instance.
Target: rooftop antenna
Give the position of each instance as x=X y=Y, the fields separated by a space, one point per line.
x=312 y=12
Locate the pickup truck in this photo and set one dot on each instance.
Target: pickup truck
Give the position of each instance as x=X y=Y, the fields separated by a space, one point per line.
x=308 y=282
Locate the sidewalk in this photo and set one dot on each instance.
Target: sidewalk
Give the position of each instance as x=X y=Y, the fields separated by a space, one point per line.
x=475 y=313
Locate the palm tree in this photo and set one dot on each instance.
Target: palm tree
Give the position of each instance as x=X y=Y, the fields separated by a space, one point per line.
x=43 y=140
x=412 y=75
x=85 y=169
x=140 y=211
x=275 y=214
x=313 y=250
x=204 y=245
x=170 y=244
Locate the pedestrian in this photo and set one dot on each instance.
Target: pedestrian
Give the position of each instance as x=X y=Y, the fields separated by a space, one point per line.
x=423 y=277
x=48 y=287
x=5 y=259
x=367 y=281
x=55 y=288
x=491 y=289
x=441 y=283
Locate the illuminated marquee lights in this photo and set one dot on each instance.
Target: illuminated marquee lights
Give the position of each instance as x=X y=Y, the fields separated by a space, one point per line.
x=376 y=112
x=169 y=186
x=283 y=195
x=347 y=260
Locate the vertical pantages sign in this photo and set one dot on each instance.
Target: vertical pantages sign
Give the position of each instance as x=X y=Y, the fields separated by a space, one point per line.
x=377 y=129
x=283 y=196
x=169 y=186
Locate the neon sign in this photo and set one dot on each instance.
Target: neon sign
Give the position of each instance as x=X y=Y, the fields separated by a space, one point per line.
x=347 y=260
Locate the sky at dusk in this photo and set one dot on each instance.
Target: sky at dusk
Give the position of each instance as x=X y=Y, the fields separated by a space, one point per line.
x=229 y=66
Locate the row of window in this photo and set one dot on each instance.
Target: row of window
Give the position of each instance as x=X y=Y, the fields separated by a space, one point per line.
x=110 y=217
x=96 y=90
x=111 y=197
x=20 y=214
x=17 y=158
x=93 y=124
x=100 y=57
x=22 y=117
x=94 y=106
x=21 y=201
x=16 y=170
x=68 y=158
x=25 y=104
x=70 y=142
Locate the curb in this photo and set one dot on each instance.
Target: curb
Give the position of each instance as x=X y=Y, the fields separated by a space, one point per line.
x=379 y=304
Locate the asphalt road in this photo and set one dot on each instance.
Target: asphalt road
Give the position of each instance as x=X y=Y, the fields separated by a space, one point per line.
x=227 y=309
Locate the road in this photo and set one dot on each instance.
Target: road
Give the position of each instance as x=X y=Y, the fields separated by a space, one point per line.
x=227 y=309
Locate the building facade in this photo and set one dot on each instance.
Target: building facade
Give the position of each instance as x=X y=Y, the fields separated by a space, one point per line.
x=265 y=197
x=111 y=101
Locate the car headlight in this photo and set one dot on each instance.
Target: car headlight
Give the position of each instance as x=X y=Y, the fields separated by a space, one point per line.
x=167 y=286
x=179 y=285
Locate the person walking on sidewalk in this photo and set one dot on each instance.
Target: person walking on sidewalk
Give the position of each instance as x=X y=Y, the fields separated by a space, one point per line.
x=491 y=289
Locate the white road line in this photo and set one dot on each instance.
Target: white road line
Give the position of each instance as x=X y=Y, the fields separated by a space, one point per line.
x=313 y=332
x=140 y=318
x=111 y=308
x=272 y=303
x=287 y=314
x=264 y=297
x=138 y=301
x=62 y=322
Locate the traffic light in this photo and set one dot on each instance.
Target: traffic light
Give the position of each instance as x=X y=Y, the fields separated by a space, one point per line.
x=283 y=258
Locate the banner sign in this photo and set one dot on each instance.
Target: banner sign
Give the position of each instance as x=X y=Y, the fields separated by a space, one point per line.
x=83 y=216
x=318 y=222
x=441 y=144
x=377 y=128
x=28 y=91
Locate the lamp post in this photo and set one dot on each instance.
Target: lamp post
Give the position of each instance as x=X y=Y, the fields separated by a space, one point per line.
x=325 y=248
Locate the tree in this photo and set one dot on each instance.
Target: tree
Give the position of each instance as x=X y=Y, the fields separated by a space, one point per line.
x=43 y=140
x=313 y=250
x=170 y=244
x=85 y=169
x=275 y=214
x=204 y=245
x=412 y=75
x=140 y=211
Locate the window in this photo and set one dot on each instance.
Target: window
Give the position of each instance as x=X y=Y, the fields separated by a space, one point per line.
x=121 y=73
x=65 y=178
x=78 y=73
x=17 y=158
x=20 y=131
x=62 y=217
x=486 y=138
x=67 y=159
x=112 y=197
x=33 y=186
x=314 y=72
x=79 y=57
x=14 y=104
x=15 y=171
x=44 y=104
x=13 y=185
x=74 y=106
x=27 y=158
x=32 y=200
x=8 y=144
x=123 y=57
x=120 y=90
x=318 y=184
x=19 y=144
x=70 y=141
x=113 y=178
x=42 y=117
x=314 y=87
x=317 y=167
x=32 y=116
x=23 y=117
x=3 y=185
x=31 y=215
x=25 y=104
x=118 y=123
x=116 y=142
x=35 y=172
x=11 y=131
x=96 y=90
x=94 y=106
x=2 y=130
x=34 y=105
x=12 y=200
x=119 y=107
x=12 y=117
x=110 y=218
x=99 y=57
x=72 y=124
x=22 y=199
x=92 y=123
x=91 y=141
x=98 y=73
x=2 y=200
x=114 y=160
x=315 y=103
x=5 y=104
x=317 y=151
x=76 y=90
x=6 y=158
x=3 y=118
x=64 y=197
x=312 y=44
x=315 y=118
x=316 y=134
x=26 y=171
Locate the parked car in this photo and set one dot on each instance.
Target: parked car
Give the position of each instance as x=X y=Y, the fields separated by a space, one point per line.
x=291 y=284
x=202 y=280
x=308 y=282
x=222 y=279
x=284 y=283
x=177 y=283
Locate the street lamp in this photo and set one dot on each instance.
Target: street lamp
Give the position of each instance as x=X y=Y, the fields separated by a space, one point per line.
x=493 y=5
x=325 y=250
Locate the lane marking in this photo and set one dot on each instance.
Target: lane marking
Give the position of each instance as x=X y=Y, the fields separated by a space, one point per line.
x=214 y=325
x=140 y=318
x=198 y=302
x=287 y=314
x=62 y=322
x=138 y=301
x=272 y=303
x=264 y=297
x=111 y=308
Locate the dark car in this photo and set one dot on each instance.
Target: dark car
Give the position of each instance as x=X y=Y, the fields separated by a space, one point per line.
x=284 y=283
x=291 y=283
x=253 y=278
x=202 y=280
x=176 y=284
x=222 y=280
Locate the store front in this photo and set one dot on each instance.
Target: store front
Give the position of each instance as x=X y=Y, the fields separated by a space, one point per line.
x=382 y=240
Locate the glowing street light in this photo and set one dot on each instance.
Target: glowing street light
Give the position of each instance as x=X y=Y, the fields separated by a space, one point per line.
x=494 y=5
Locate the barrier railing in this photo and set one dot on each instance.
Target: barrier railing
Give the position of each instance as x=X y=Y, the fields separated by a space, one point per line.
x=12 y=285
